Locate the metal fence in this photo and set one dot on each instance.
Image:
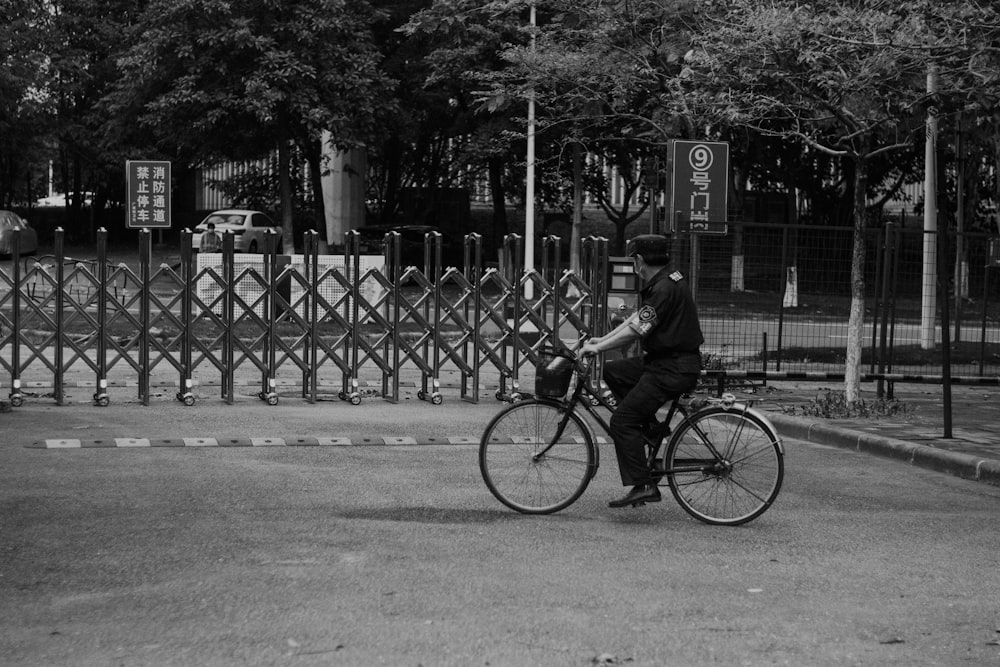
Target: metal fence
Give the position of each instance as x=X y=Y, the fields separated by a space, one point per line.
x=774 y=302
x=782 y=305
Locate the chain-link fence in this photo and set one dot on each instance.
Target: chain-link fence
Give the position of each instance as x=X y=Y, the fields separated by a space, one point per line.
x=778 y=298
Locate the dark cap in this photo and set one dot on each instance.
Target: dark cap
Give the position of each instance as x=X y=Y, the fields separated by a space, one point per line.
x=654 y=248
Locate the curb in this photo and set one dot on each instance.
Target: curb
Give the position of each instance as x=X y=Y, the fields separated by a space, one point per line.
x=961 y=465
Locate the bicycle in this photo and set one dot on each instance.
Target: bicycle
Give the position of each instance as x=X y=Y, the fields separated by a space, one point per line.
x=724 y=461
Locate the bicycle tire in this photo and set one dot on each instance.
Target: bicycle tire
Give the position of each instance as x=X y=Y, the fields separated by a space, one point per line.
x=520 y=480
x=733 y=491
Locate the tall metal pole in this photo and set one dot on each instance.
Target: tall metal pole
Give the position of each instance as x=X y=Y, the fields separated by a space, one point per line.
x=529 y=193
x=928 y=301
x=961 y=265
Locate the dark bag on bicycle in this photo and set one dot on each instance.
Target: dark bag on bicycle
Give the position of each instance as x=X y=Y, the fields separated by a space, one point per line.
x=553 y=372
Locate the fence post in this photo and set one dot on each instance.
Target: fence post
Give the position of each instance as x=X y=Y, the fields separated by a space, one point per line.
x=310 y=372
x=882 y=313
x=186 y=393
x=229 y=305
x=473 y=256
x=394 y=248
x=513 y=244
x=557 y=292
x=435 y=274
x=145 y=258
x=101 y=392
x=16 y=397
x=59 y=315
x=986 y=305
x=269 y=389
x=945 y=325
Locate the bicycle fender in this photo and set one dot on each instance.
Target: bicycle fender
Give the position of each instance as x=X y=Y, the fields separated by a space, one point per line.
x=744 y=408
x=597 y=449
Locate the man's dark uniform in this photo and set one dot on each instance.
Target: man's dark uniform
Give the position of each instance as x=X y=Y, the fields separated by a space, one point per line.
x=670 y=366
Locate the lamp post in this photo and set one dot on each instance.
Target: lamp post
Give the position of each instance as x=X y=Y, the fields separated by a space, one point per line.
x=529 y=192
x=928 y=300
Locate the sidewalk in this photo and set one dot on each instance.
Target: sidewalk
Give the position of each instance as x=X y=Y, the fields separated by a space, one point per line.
x=915 y=436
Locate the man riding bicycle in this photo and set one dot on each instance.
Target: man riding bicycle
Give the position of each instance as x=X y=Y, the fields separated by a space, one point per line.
x=667 y=323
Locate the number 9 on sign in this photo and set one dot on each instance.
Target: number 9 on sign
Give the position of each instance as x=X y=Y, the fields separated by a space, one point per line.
x=700 y=157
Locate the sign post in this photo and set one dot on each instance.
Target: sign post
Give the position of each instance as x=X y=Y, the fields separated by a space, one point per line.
x=148 y=192
x=700 y=187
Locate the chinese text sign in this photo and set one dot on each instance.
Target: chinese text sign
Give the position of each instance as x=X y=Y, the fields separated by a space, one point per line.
x=700 y=186
x=148 y=188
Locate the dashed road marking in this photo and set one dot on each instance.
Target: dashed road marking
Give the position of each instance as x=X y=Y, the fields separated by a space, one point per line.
x=295 y=441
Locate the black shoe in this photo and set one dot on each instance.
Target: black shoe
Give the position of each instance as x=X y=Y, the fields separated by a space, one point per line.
x=639 y=495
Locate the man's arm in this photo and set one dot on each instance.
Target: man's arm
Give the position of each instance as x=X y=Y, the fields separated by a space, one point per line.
x=622 y=335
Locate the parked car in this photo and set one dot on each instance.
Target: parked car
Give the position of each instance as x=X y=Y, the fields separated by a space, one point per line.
x=9 y=221
x=250 y=229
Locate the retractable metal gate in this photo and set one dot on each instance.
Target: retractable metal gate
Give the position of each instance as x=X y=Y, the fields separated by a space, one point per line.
x=329 y=321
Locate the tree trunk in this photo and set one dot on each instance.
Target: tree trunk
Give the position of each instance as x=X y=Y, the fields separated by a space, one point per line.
x=393 y=180
x=736 y=282
x=575 y=230
x=499 y=197
x=314 y=156
x=791 y=299
x=855 y=324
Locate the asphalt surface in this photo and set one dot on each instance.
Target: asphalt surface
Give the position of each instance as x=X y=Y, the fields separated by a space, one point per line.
x=150 y=545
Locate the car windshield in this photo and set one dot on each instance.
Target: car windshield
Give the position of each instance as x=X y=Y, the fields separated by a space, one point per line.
x=11 y=221
x=228 y=219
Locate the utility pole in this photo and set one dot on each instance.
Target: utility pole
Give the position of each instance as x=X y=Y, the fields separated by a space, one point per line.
x=529 y=192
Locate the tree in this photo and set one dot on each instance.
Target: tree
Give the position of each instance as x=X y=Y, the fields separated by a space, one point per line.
x=461 y=42
x=83 y=40
x=604 y=79
x=211 y=80
x=23 y=114
x=838 y=80
x=629 y=163
x=841 y=78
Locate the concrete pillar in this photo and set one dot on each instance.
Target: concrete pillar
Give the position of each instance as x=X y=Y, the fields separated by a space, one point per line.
x=344 y=186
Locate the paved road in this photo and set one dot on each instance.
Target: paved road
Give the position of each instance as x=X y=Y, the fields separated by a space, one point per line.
x=398 y=555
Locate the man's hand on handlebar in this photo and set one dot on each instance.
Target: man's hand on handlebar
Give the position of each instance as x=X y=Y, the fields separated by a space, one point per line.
x=589 y=349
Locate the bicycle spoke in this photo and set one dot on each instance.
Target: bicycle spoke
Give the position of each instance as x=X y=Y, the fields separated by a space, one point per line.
x=725 y=491
x=536 y=458
x=763 y=449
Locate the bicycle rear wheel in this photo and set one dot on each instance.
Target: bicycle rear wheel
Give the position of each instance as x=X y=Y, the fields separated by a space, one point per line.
x=728 y=466
x=524 y=464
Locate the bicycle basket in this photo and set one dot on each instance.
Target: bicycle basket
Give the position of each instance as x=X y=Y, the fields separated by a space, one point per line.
x=553 y=372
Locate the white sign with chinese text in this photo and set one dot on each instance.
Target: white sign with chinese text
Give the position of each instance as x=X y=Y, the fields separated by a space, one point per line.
x=148 y=191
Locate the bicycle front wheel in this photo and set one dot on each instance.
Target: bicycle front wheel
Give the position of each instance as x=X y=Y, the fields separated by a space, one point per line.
x=537 y=456
x=727 y=466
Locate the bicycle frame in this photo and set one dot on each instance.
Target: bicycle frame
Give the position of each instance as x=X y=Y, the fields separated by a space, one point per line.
x=584 y=385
